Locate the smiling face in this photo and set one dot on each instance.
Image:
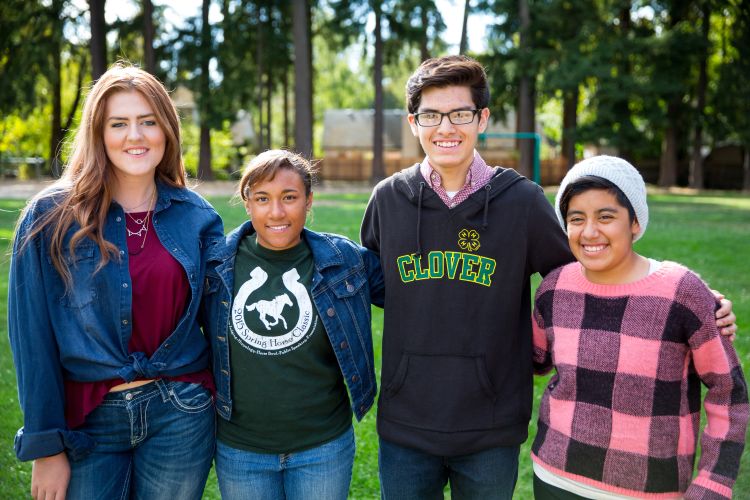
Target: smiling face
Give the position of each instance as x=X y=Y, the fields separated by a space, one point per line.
x=278 y=209
x=449 y=148
x=133 y=139
x=600 y=235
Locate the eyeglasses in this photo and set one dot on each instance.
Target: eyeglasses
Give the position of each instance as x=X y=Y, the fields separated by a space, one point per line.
x=435 y=118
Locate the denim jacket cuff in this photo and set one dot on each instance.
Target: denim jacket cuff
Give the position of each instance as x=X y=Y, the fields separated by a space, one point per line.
x=47 y=443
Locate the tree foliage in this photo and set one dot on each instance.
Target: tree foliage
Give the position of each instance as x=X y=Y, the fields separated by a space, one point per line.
x=650 y=80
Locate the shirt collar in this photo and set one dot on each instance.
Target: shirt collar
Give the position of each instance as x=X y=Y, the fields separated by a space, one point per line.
x=433 y=177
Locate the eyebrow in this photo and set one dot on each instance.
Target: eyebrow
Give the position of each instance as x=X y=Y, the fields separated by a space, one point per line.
x=428 y=110
x=605 y=209
x=125 y=117
x=285 y=191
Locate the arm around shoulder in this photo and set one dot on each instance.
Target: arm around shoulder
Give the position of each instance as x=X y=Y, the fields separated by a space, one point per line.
x=374 y=276
x=369 y=233
x=548 y=244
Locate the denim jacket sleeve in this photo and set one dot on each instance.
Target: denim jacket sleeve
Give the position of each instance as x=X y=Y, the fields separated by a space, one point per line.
x=40 y=384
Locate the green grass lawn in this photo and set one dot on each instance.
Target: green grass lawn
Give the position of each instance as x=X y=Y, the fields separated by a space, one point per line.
x=710 y=234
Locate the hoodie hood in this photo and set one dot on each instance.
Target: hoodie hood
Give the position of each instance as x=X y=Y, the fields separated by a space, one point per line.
x=413 y=185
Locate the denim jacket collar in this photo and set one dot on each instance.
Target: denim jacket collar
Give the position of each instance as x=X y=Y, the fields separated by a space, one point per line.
x=165 y=193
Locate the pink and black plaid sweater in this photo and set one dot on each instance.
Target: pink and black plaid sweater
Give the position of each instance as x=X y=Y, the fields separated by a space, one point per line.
x=623 y=410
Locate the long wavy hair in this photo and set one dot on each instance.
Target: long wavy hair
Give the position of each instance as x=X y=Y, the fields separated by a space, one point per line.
x=83 y=193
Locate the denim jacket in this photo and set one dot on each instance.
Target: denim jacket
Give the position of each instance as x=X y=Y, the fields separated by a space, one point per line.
x=346 y=280
x=82 y=334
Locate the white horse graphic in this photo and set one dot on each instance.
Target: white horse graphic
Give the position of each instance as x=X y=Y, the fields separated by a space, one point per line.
x=271 y=308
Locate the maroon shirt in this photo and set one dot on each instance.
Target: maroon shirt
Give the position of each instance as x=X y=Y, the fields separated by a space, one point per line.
x=160 y=292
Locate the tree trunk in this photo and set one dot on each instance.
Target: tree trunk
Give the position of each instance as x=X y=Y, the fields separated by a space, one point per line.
x=378 y=169
x=285 y=85
x=205 y=172
x=424 y=51
x=668 y=162
x=696 y=160
x=746 y=169
x=149 y=59
x=77 y=99
x=303 y=110
x=260 y=71
x=628 y=134
x=269 y=96
x=56 y=132
x=670 y=145
x=570 y=124
x=464 y=45
x=204 y=157
x=98 y=43
x=526 y=100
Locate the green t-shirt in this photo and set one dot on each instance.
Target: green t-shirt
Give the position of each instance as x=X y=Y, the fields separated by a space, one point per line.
x=288 y=393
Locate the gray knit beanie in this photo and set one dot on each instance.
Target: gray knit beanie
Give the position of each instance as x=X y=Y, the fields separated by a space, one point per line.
x=620 y=173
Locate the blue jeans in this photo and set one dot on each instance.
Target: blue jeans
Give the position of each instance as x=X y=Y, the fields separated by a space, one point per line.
x=152 y=442
x=409 y=474
x=323 y=472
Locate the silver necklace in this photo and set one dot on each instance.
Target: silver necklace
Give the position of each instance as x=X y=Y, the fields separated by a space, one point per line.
x=143 y=230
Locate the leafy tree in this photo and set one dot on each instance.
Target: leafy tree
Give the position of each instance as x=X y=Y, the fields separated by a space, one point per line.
x=143 y=39
x=567 y=60
x=32 y=45
x=616 y=91
x=398 y=26
x=513 y=64
x=732 y=96
x=671 y=77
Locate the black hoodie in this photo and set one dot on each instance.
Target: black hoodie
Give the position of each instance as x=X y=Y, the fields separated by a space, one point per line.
x=457 y=375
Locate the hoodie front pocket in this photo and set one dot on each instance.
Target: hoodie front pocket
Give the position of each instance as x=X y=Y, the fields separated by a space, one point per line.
x=439 y=392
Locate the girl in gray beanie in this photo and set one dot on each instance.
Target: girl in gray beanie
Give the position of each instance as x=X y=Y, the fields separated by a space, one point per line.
x=631 y=340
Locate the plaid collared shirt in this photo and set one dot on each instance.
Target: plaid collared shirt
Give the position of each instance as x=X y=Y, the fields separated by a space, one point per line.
x=477 y=177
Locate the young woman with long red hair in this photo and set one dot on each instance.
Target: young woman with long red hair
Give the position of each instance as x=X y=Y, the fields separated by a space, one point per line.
x=106 y=277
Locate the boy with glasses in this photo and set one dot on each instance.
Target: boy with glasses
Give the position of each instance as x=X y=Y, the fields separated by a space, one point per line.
x=458 y=241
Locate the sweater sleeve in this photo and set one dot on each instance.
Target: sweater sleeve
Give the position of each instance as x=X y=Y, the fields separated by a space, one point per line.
x=542 y=352
x=726 y=401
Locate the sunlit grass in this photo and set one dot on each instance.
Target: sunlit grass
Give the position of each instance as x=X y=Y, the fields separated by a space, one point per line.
x=708 y=233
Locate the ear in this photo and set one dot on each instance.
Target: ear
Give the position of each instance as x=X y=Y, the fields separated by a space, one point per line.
x=635 y=228
x=308 y=203
x=248 y=210
x=413 y=124
x=484 y=117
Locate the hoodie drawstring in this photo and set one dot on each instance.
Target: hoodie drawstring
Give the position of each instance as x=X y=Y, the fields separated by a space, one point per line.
x=487 y=189
x=419 y=216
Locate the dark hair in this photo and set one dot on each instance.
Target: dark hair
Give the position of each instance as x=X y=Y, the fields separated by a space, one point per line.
x=589 y=182
x=265 y=166
x=444 y=72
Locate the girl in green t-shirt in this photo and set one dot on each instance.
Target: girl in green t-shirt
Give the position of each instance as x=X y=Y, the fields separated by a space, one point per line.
x=289 y=322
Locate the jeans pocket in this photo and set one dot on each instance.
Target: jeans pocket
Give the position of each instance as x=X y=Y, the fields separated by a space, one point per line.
x=190 y=398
